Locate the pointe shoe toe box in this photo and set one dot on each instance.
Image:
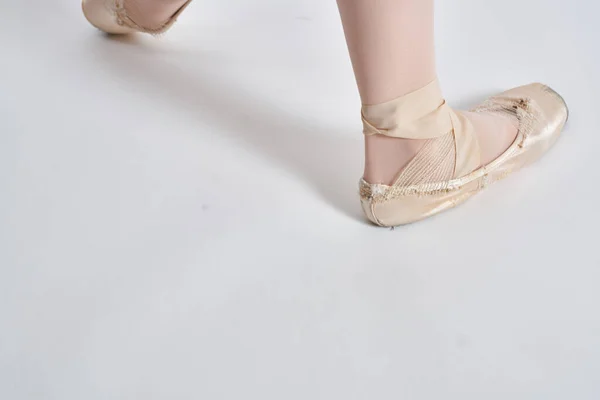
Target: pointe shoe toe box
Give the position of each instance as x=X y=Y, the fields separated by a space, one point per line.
x=546 y=113
x=103 y=15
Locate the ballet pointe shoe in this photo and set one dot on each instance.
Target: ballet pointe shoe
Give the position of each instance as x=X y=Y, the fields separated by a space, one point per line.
x=447 y=170
x=111 y=17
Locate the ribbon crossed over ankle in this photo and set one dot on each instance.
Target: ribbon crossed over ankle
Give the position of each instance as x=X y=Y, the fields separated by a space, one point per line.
x=424 y=114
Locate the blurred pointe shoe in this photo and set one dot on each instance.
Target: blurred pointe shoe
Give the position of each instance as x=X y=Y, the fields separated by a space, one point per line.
x=111 y=17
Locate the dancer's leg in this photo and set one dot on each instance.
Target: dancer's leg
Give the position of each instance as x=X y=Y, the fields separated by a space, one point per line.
x=391 y=44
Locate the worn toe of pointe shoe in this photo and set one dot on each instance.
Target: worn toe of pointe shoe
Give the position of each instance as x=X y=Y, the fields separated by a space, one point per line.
x=111 y=17
x=542 y=114
x=106 y=16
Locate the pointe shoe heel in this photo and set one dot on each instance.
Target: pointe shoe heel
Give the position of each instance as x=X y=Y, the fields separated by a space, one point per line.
x=446 y=171
x=111 y=17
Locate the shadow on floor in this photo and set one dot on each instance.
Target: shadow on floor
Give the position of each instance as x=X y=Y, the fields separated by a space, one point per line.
x=322 y=159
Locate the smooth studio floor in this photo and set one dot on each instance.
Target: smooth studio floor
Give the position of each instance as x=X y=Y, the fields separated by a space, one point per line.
x=180 y=219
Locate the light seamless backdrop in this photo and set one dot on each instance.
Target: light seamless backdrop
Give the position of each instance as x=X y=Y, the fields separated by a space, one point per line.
x=179 y=216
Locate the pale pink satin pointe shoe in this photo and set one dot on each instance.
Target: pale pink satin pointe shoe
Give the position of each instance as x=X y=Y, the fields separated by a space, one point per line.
x=447 y=170
x=111 y=17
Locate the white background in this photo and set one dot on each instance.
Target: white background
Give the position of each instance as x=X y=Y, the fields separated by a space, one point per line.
x=180 y=219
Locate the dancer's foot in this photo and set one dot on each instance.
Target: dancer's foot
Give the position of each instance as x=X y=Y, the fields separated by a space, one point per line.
x=424 y=157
